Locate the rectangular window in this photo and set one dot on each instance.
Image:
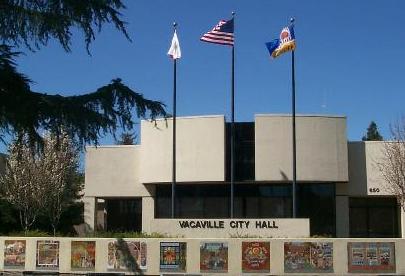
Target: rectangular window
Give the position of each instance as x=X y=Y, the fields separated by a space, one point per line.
x=373 y=217
x=124 y=214
x=193 y=201
x=263 y=201
x=244 y=150
x=315 y=201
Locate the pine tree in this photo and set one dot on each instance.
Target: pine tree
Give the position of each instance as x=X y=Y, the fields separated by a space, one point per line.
x=372 y=133
x=85 y=118
x=127 y=138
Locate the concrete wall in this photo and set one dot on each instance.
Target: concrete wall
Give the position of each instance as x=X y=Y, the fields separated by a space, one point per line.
x=402 y=222
x=365 y=178
x=200 y=149
x=340 y=254
x=113 y=171
x=321 y=148
x=342 y=216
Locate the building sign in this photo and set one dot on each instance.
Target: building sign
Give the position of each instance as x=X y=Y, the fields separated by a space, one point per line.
x=225 y=228
x=233 y=224
x=367 y=257
x=83 y=255
x=126 y=256
x=14 y=254
x=255 y=257
x=308 y=257
x=47 y=254
x=213 y=257
x=173 y=256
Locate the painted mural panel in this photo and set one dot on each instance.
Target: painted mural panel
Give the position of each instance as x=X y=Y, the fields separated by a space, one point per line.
x=126 y=256
x=214 y=257
x=47 y=254
x=308 y=257
x=255 y=257
x=14 y=254
x=173 y=256
x=83 y=255
x=371 y=257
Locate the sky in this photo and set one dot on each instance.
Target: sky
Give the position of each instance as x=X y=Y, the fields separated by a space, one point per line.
x=349 y=59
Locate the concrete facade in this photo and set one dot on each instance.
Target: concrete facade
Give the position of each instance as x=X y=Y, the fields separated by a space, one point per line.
x=321 y=148
x=323 y=156
x=200 y=149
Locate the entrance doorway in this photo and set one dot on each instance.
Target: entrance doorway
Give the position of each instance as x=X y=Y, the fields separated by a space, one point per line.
x=124 y=214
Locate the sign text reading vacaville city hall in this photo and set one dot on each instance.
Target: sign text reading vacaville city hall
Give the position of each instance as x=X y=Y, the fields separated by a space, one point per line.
x=220 y=224
x=224 y=228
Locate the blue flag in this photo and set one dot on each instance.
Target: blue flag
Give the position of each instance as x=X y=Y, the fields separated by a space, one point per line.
x=285 y=43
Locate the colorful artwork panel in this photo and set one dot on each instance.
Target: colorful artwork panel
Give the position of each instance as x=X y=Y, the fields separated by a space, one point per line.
x=371 y=257
x=14 y=254
x=255 y=257
x=173 y=256
x=126 y=256
x=214 y=257
x=83 y=255
x=308 y=257
x=47 y=254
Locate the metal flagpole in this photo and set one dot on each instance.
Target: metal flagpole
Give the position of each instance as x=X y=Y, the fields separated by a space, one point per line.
x=233 y=123
x=294 y=155
x=174 y=133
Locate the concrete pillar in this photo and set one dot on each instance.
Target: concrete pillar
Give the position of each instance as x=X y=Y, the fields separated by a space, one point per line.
x=101 y=214
x=342 y=216
x=148 y=213
x=89 y=211
x=402 y=222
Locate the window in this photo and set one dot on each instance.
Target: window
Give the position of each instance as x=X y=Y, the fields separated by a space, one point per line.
x=244 y=149
x=263 y=201
x=317 y=202
x=373 y=217
x=124 y=214
x=193 y=201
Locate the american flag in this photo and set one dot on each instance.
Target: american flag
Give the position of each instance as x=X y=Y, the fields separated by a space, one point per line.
x=222 y=33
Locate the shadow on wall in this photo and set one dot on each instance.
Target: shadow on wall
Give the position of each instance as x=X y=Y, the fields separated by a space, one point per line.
x=129 y=260
x=283 y=175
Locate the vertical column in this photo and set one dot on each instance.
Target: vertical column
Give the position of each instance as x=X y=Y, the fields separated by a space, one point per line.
x=342 y=216
x=402 y=222
x=89 y=211
x=148 y=213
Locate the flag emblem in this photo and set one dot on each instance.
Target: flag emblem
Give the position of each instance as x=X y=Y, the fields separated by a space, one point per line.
x=285 y=43
x=175 y=51
x=222 y=33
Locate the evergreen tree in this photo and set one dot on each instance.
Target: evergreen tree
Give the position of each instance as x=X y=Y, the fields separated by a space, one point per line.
x=32 y=24
x=127 y=138
x=372 y=133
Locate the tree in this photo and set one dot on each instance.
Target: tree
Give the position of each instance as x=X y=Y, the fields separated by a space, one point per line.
x=392 y=165
x=41 y=183
x=127 y=138
x=59 y=161
x=32 y=24
x=372 y=133
x=21 y=184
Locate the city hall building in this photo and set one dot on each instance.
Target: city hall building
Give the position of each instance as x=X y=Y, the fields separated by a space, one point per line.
x=339 y=188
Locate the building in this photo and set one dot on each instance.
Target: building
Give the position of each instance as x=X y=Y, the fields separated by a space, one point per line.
x=339 y=187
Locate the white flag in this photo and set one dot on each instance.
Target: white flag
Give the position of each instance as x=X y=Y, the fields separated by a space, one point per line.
x=174 y=51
